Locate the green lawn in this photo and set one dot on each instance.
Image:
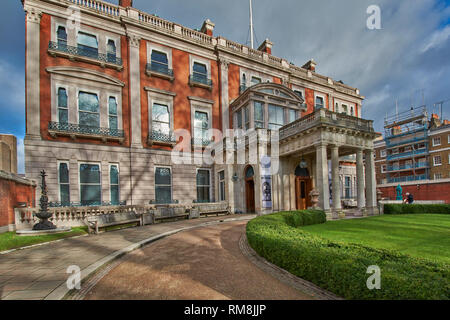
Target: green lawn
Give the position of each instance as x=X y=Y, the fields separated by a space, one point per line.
x=420 y=235
x=10 y=240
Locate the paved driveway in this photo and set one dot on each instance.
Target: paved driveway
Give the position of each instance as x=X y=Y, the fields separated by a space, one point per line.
x=202 y=263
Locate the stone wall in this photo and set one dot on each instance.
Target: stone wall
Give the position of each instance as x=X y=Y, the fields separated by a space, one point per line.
x=14 y=191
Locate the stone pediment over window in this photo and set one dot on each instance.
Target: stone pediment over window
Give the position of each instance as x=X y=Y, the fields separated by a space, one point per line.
x=85 y=74
x=271 y=90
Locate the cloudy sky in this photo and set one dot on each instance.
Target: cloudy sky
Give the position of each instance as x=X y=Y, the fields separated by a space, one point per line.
x=407 y=60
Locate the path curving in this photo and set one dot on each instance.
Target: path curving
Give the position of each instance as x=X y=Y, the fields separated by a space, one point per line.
x=200 y=264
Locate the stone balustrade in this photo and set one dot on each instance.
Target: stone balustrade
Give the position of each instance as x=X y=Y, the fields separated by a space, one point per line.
x=25 y=218
x=153 y=21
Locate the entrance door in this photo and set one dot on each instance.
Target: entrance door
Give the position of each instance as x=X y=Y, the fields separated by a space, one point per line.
x=250 y=189
x=250 y=195
x=302 y=190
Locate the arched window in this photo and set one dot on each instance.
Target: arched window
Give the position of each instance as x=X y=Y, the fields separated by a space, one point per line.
x=61 y=36
x=112 y=111
x=249 y=172
x=111 y=50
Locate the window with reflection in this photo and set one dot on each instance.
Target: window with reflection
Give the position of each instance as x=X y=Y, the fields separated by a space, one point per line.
x=112 y=111
x=259 y=114
x=114 y=184
x=88 y=44
x=163 y=185
x=161 y=118
x=111 y=50
x=201 y=127
x=200 y=73
x=90 y=184
x=64 y=185
x=203 y=186
x=276 y=117
x=319 y=102
x=159 y=62
x=293 y=115
x=61 y=36
x=89 y=111
x=63 y=110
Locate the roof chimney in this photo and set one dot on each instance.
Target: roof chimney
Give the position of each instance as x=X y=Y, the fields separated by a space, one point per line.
x=266 y=46
x=126 y=3
x=310 y=65
x=208 y=27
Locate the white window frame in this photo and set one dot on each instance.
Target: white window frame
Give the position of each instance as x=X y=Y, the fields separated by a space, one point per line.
x=91 y=91
x=55 y=116
x=59 y=182
x=383 y=168
x=91 y=33
x=383 y=153
x=437 y=144
x=116 y=43
x=115 y=96
x=434 y=161
x=159 y=97
x=101 y=179
x=200 y=106
x=171 y=179
x=193 y=59
x=155 y=47
x=318 y=95
x=118 y=177
x=210 y=182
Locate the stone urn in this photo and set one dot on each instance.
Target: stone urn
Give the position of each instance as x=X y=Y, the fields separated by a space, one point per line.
x=314 y=195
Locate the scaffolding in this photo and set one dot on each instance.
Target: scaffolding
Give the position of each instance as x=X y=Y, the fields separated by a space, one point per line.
x=406 y=137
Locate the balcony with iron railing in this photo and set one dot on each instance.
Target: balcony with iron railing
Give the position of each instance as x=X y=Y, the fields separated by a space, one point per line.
x=200 y=80
x=324 y=116
x=161 y=138
x=159 y=70
x=79 y=131
x=85 y=54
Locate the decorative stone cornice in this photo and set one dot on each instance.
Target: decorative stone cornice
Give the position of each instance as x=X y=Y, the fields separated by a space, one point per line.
x=33 y=15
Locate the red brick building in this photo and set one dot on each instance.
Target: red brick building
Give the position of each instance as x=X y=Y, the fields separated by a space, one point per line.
x=108 y=87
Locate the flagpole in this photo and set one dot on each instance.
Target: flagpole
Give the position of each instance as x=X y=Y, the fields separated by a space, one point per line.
x=251 y=25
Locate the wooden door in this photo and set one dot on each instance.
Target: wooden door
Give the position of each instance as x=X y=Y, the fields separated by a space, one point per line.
x=250 y=195
x=302 y=190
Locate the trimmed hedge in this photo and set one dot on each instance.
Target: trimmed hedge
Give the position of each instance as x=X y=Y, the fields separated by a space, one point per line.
x=341 y=267
x=306 y=218
x=416 y=208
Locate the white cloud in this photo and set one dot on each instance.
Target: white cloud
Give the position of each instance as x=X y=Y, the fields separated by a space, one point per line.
x=438 y=38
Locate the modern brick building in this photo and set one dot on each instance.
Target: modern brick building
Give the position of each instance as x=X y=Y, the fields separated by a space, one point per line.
x=415 y=153
x=110 y=87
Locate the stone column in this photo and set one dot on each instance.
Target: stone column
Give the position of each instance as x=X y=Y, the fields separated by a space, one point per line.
x=135 y=91
x=224 y=92
x=322 y=184
x=371 y=185
x=337 y=207
x=360 y=180
x=33 y=20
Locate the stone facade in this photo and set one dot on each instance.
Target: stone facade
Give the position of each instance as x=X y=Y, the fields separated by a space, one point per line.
x=141 y=63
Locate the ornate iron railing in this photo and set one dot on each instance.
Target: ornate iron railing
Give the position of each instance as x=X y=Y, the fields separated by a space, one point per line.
x=162 y=137
x=200 y=80
x=75 y=128
x=84 y=51
x=159 y=68
x=85 y=204
x=201 y=142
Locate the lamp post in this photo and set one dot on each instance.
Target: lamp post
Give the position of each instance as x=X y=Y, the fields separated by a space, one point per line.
x=43 y=213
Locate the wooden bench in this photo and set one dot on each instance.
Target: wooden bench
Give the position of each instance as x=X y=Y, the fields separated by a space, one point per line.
x=112 y=219
x=163 y=213
x=214 y=208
